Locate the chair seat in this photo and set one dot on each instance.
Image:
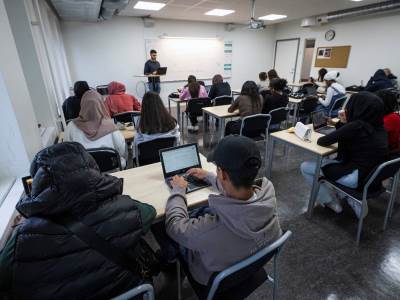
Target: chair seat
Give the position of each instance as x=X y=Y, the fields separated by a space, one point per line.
x=356 y=193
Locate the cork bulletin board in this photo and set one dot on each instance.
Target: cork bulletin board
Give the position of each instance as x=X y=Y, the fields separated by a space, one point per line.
x=332 y=57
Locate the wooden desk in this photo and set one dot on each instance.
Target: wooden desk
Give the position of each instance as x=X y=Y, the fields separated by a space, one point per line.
x=219 y=112
x=178 y=109
x=146 y=184
x=312 y=146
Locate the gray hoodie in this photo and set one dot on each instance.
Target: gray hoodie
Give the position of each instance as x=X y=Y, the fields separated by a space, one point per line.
x=233 y=230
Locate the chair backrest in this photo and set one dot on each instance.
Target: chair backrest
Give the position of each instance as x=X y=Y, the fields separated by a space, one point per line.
x=145 y=289
x=107 y=159
x=102 y=89
x=195 y=105
x=384 y=171
x=128 y=116
x=239 y=272
x=336 y=106
x=278 y=115
x=256 y=125
x=309 y=104
x=222 y=100
x=148 y=152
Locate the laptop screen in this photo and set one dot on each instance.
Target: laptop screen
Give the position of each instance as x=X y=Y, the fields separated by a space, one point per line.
x=319 y=119
x=179 y=159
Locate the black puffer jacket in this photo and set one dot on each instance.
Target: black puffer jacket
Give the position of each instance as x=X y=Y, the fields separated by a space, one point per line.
x=51 y=262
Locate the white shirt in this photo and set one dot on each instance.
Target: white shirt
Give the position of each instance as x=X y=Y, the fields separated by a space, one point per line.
x=330 y=92
x=113 y=140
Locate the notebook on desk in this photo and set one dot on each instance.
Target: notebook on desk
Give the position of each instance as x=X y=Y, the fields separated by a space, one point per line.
x=177 y=161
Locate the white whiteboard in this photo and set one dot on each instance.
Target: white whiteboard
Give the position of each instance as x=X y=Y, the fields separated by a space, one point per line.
x=188 y=56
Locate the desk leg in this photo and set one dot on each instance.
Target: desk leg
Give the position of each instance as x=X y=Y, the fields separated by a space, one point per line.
x=222 y=129
x=178 y=115
x=313 y=196
x=269 y=156
x=204 y=128
x=295 y=113
x=169 y=105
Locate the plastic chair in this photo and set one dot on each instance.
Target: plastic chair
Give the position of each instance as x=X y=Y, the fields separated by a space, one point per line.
x=107 y=159
x=371 y=189
x=144 y=289
x=222 y=100
x=333 y=112
x=241 y=279
x=127 y=117
x=255 y=126
x=195 y=107
x=148 y=152
x=278 y=116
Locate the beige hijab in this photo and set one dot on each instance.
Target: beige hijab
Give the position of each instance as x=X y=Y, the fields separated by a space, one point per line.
x=94 y=120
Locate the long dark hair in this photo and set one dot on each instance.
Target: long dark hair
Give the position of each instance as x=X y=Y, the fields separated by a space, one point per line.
x=217 y=79
x=272 y=74
x=80 y=87
x=321 y=74
x=194 y=89
x=154 y=116
x=250 y=89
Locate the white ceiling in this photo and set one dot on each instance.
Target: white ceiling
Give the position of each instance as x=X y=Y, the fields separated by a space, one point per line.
x=195 y=9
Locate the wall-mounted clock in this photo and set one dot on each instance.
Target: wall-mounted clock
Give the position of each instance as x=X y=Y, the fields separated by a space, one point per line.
x=330 y=35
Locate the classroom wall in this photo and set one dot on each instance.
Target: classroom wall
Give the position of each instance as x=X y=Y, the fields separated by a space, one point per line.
x=374 y=40
x=115 y=50
x=16 y=104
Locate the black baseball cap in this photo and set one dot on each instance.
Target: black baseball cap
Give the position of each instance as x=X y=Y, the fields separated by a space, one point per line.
x=236 y=153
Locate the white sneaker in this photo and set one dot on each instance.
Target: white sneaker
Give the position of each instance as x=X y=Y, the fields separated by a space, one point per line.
x=356 y=206
x=196 y=128
x=190 y=128
x=335 y=206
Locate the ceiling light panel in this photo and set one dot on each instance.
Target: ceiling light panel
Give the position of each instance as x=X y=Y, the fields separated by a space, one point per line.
x=272 y=17
x=149 y=5
x=219 y=12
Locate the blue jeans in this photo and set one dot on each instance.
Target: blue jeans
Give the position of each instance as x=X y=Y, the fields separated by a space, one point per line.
x=157 y=87
x=325 y=195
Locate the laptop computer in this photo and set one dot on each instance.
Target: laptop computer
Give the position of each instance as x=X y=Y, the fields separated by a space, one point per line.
x=320 y=123
x=162 y=71
x=177 y=160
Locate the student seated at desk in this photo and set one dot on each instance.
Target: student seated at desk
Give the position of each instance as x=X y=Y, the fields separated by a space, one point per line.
x=219 y=87
x=45 y=258
x=362 y=145
x=263 y=84
x=272 y=74
x=334 y=91
x=237 y=222
x=185 y=94
x=72 y=105
x=320 y=82
x=378 y=82
x=250 y=102
x=94 y=128
x=155 y=121
x=276 y=98
x=391 y=119
x=118 y=101
x=194 y=90
x=392 y=78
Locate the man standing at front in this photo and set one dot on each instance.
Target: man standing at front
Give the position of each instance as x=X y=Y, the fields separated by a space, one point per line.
x=150 y=68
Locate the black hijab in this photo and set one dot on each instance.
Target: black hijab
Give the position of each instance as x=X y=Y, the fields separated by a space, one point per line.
x=80 y=87
x=380 y=75
x=367 y=109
